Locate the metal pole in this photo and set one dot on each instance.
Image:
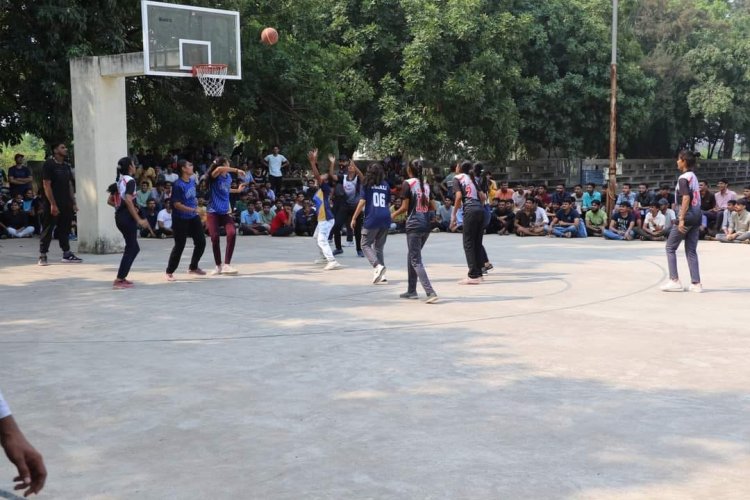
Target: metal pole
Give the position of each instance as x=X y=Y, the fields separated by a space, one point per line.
x=612 y=185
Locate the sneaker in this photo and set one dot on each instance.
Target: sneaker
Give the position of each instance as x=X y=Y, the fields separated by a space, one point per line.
x=42 y=260
x=485 y=270
x=378 y=273
x=436 y=230
x=227 y=269
x=338 y=251
x=383 y=280
x=696 y=288
x=489 y=266
x=122 y=284
x=409 y=295
x=170 y=277
x=349 y=244
x=197 y=272
x=470 y=281
x=321 y=261
x=672 y=286
x=128 y=282
x=431 y=298
x=360 y=253
x=332 y=266
x=216 y=271
x=71 y=258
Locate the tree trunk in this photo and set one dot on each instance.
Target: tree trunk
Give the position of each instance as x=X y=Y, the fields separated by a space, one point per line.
x=728 y=145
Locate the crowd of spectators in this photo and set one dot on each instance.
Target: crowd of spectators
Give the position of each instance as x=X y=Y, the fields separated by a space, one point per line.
x=528 y=209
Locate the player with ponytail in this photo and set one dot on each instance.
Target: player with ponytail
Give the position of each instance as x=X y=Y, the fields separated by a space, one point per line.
x=127 y=219
x=467 y=194
x=219 y=211
x=417 y=202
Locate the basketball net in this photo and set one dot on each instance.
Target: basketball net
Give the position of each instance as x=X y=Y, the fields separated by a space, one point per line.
x=212 y=78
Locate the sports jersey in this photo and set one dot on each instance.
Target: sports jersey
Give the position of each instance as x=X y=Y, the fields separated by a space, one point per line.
x=184 y=192
x=351 y=190
x=416 y=219
x=377 y=200
x=218 y=202
x=687 y=185
x=125 y=186
x=469 y=192
x=321 y=201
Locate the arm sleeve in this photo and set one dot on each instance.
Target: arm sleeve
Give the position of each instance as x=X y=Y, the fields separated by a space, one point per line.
x=4 y=409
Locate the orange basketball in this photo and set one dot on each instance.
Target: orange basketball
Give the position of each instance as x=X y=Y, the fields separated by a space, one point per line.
x=269 y=36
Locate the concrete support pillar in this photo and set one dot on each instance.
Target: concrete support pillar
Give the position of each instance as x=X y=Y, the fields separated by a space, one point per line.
x=100 y=138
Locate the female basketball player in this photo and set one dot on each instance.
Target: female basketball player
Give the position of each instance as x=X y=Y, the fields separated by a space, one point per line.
x=220 y=211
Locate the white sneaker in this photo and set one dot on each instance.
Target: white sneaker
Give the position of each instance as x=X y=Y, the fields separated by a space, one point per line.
x=378 y=273
x=672 y=286
x=227 y=269
x=216 y=271
x=696 y=288
x=349 y=244
x=320 y=262
x=383 y=280
x=332 y=266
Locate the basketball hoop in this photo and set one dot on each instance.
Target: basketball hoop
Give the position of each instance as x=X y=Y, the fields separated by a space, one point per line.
x=212 y=77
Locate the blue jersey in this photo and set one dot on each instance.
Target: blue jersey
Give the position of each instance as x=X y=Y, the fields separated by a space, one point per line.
x=377 y=203
x=322 y=204
x=218 y=201
x=184 y=192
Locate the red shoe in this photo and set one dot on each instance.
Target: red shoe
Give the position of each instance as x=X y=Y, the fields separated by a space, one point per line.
x=197 y=272
x=122 y=284
x=170 y=277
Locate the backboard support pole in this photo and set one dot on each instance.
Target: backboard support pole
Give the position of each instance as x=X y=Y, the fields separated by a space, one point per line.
x=100 y=135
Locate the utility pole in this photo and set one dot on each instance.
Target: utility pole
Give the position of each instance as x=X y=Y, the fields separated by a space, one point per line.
x=612 y=184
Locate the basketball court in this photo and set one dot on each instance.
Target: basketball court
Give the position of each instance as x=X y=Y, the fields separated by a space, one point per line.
x=567 y=374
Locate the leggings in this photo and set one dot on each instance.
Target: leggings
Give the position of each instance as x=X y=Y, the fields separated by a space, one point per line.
x=182 y=229
x=129 y=229
x=214 y=222
x=473 y=234
x=415 y=242
x=691 y=251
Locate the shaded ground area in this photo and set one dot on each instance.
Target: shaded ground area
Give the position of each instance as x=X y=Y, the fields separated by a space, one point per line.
x=566 y=375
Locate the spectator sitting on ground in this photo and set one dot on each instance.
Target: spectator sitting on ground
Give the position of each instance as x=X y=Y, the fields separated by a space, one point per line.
x=16 y=222
x=519 y=197
x=282 y=223
x=504 y=193
x=526 y=223
x=270 y=193
x=739 y=225
x=503 y=219
x=299 y=203
x=560 y=195
x=578 y=198
x=309 y=187
x=143 y=195
x=266 y=215
x=590 y=195
x=626 y=196
x=171 y=177
x=653 y=225
x=397 y=223
x=566 y=221
x=240 y=206
x=250 y=222
x=670 y=217
x=596 y=219
x=164 y=219
x=542 y=197
x=305 y=220
x=622 y=224
x=443 y=215
x=151 y=215
x=644 y=199
x=552 y=209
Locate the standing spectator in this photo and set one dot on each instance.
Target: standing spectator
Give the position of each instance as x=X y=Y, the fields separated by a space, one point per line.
x=19 y=176
x=739 y=225
x=596 y=219
x=590 y=195
x=60 y=204
x=164 y=220
x=687 y=195
x=275 y=162
x=16 y=222
x=28 y=461
x=305 y=220
x=283 y=222
x=622 y=224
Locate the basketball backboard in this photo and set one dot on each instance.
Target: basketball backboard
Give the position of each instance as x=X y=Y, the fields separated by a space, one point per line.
x=177 y=37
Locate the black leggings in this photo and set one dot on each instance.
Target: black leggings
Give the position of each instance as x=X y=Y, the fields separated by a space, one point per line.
x=129 y=229
x=343 y=220
x=182 y=229
x=473 y=234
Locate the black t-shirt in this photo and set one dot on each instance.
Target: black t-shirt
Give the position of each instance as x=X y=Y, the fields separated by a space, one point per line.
x=18 y=221
x=61 y=176
x=129 y=190
x=525 y=220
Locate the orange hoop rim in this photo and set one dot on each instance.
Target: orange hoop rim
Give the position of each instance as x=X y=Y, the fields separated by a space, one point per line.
x=199 y=69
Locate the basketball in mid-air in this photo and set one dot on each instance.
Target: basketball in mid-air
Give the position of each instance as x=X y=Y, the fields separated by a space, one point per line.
x=269 y=36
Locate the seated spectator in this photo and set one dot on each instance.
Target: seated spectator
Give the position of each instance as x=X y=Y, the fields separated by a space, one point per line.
x=299 y=203
x=552 y=209
x=282 y=223
x=16 y=222
x=739 y=225
x=519 y=197
x=596 y=219
x=578 y=198
x=723 y=196
x=566 y=222
x=542 y=197
x=397 y=223
x=708 y=203
x=310 y=187
x=560 y=195
x=266 y=215
x=590 y=195
x=164 y=219
x=622 y=224
x=644 y=199
x=670 y=217
x=250 y=222
x=443 y=215
x=503 y=193
x=305 y=220
x=143 y=195
x=526 y=221
x=653 y=225
x=270 y=194
x=240 y=206
x=503 y=219
x=627 y=196
x=151 y=215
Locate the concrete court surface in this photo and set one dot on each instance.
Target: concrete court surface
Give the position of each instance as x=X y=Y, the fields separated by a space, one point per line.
x=567 y=374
